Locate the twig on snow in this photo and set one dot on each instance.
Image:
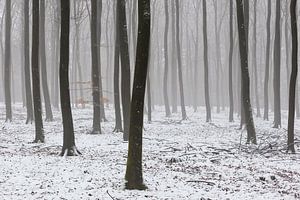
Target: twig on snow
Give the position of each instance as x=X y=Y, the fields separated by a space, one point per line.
x=110 y=195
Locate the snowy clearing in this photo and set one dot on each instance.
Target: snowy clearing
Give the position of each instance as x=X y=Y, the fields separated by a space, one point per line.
x=182 y=160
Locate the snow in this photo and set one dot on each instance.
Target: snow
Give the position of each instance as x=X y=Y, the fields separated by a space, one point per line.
x=188 y=159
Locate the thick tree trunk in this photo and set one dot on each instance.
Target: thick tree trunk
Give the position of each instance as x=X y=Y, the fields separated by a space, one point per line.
x=276 y=72
x=134 y=175
x=251 y=135
x=205 y=51
x=27 y=64
x=49 y=115
x=291 y=120
x=7 y=62
x=69 y=147
x=95 y=70
x=39 y=132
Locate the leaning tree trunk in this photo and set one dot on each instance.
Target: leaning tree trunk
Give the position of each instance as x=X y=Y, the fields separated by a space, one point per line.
x=205 y=51
x=39 y=132
x=49 y=115
x=69 y=147
x=125 y=67
x=276 y=72
x=95 y=71
x=251 y=135
x=134 y=175
x=118 y=118
x=27 y=64
x=231 y=109
x=183 y=111
x=291 y=120
x=267 y=70
x=7 y=61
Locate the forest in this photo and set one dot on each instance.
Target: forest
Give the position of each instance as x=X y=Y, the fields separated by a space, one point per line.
x=149 y=99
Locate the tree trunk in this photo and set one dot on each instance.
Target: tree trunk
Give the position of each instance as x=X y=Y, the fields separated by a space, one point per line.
x=49 y=115
x=69 y=147
x=166 y=72
x=205 y=51
x=125 y=67
x=134 y=175
x=95 y=70
x=39 y=132
x=291 y=119
x=99 y=13
x=251 y=135
x=118 y=118
x=183 y=111
x=276 y=72
x=267 y=70
x=174 y=60
x=255 y=61
x=7 y=62
x=27 y=64
x=231 y=107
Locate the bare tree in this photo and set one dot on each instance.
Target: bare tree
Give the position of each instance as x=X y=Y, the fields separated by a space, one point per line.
x=27 y=64
x=39 y=130
x=291 y=120
x=95 y=70
x=251 y=134
x=7 y=61
x=267 y=69
x=276 y=71
x=205 y=51
x=134 y=175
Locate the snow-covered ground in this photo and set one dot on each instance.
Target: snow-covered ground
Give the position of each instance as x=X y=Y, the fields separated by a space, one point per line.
x=182 y=160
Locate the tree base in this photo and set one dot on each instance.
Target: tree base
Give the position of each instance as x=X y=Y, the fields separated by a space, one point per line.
x=38 y=141
x=135 y=186
x=117 y=130
x=95 y=132
x=49 y=119
x=29 y=121
x=71 y=151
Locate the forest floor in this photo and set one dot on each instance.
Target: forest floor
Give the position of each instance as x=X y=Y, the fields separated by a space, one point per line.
x=182 y=160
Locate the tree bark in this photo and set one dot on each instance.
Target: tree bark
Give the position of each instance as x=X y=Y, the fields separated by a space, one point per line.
x=95 y=70
x=134 y=175
x=125 y=67
x=166 y=72
x=39 y=132
x=293 y=81
x=49 y=115
x=205 y=51
x=254 y=61
x=27 y=64
x=267 y=69
x=251 y=135
x=231 y=107
x=276 y=72
x=183 y=111
x=118 y=118
x=7 y=62
x=69 y=147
